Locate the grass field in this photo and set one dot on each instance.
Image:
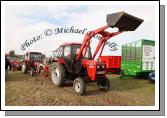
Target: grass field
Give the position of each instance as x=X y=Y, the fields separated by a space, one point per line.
x=21 y=89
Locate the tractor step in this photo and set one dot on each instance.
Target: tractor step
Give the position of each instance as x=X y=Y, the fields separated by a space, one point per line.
x=123 y=21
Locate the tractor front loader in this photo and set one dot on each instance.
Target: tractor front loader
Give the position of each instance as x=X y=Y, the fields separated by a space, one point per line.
x=75 y=62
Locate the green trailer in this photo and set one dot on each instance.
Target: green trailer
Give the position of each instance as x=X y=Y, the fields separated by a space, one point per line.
x=138 y=58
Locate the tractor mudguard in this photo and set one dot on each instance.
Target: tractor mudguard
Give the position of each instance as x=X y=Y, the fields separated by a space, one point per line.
x=60 y=60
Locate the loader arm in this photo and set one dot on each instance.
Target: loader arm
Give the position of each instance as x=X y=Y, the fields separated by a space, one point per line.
x=120 y=20
x=86 y=42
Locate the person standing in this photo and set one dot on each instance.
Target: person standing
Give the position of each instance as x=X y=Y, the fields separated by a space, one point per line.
x=7 y=64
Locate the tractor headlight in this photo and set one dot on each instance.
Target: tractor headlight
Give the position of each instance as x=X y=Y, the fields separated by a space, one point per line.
x=103 y=66
x=98 y=67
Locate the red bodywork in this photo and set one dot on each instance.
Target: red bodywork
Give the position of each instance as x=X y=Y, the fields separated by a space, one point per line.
x=91 y=67
x=60 y=60
x=105 y=36
x=36 y=64
x=45 y=70
x=85 y=45
x=32 y=63
x=15 y=65
x=113 y=63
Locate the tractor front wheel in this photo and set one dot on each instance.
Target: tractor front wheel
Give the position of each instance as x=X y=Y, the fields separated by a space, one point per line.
x=79 y=86
x=24 y=68
x=103 y=84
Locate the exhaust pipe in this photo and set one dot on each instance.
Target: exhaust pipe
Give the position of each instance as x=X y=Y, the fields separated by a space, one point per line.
x=123 y=21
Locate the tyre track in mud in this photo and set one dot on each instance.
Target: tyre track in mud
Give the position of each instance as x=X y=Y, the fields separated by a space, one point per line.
x=43 y=92
x=39 y=91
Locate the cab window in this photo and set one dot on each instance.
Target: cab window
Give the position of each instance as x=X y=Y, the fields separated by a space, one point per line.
x=67 y=51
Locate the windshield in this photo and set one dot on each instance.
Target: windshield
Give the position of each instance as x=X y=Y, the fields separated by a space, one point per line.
x=58 y=52
x=76 y=49
x=35 y=57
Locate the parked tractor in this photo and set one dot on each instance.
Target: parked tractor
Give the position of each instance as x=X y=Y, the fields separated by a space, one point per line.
x=15 y=63
x=75 y=62
x=32 y=62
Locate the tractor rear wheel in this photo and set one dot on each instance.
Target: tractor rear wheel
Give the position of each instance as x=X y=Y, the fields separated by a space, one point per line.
x=103 y=84
x=58 y=74
x=24 y=68
x=79 y=86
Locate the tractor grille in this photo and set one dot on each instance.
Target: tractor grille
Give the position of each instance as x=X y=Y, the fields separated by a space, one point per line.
x=100 y=69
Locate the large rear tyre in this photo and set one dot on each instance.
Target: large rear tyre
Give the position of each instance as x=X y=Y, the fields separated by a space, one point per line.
x=103 y=84
x=24 y=68
x=58 y=74
x=79 y=86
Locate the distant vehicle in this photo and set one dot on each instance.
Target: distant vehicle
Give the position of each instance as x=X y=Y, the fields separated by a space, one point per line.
x=15 y=63
x=151 y=77
x=32 y=62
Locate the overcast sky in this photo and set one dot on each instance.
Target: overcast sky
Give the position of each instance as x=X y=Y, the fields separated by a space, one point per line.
x=25 y=22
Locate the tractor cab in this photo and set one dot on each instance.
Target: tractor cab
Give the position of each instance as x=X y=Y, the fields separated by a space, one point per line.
x=71 y=50
x=67 y=54
x=32 y=62
x=33 y=57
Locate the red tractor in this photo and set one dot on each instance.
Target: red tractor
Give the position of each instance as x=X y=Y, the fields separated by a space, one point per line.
x=15 y=63
x=32 y=62
x=74 y=61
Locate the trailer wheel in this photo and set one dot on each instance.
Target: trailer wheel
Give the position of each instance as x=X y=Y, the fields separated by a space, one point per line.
x=79 y=86
x=103 y=84
x=24 y=68
x=58 y=74
x=32 y=72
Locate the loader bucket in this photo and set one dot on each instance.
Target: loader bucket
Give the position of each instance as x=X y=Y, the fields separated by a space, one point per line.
x=123 y=21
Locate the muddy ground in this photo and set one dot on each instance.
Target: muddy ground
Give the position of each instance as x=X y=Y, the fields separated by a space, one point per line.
x=21 y=89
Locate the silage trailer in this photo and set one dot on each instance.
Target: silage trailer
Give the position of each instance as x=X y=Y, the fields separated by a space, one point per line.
x=138 y=58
